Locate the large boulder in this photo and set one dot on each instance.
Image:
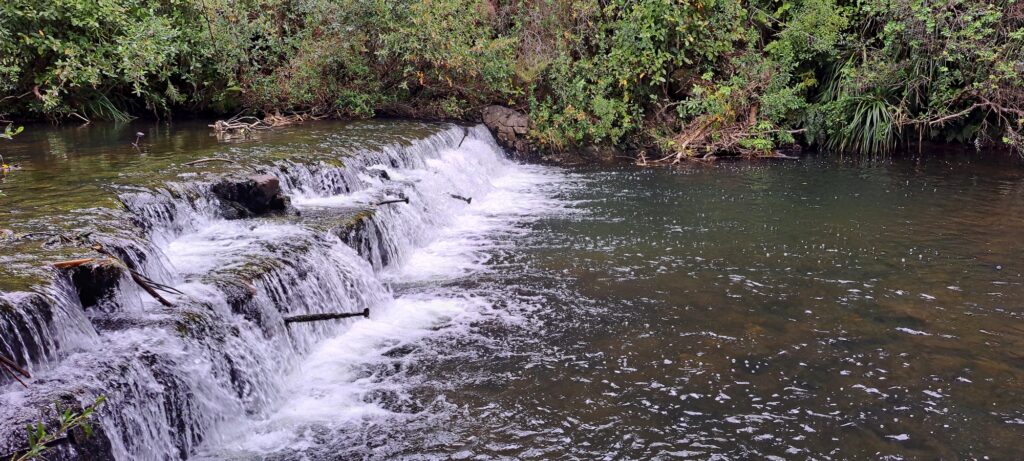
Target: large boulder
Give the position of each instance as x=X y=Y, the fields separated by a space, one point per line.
x=253 y=196
x=509 y=127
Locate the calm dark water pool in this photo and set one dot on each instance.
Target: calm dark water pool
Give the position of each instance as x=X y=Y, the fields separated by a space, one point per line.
x=818 y=309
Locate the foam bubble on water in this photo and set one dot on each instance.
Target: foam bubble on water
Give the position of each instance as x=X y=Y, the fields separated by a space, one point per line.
x=912 y=332
x=486 y=225
x=357 y=198
x=329 y=387
x=223 y=243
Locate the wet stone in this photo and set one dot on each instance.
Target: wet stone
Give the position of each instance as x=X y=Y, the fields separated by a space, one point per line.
x=509 y=126
x=356 y=227
x=77 y=445
x=364 y=236
x=253 y=196
x=96 y=284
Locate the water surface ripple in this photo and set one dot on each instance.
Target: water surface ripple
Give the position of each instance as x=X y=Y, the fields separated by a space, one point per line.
x=809 y=310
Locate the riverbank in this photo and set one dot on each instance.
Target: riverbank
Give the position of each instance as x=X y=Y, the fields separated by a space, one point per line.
x=510 y=128
x=676 y=79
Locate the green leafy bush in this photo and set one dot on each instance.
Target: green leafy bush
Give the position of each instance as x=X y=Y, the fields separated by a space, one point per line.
x=692 y=77
x=100 y=58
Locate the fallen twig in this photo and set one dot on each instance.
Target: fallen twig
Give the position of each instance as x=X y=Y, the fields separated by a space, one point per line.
x=400 y=200
x=82 y=118
x=73 y=263
x=780 y=156
x=468 y=200
x=329 y=316
x=16 y=378
x=218 y=159
x=146 y=283
x=11 y=367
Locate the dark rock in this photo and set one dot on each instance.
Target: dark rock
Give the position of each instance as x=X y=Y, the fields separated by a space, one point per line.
x=509 y=127
x=357 y=227
x=120 y=321
x=362 y=233
x=253 y=196
x=381 y=174
x=95 y=283
x=241 y=296
x=76 y=445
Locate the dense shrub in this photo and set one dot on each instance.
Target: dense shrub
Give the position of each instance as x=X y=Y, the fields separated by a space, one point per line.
x=683 y=77
x=101 y=58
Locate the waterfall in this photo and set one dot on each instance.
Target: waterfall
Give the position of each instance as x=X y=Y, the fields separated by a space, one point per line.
x=174 y=377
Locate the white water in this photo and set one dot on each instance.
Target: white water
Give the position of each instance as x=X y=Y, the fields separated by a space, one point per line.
x=330 y=389
x=219 y=373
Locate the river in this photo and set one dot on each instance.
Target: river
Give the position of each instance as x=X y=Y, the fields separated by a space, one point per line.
x=823 y=308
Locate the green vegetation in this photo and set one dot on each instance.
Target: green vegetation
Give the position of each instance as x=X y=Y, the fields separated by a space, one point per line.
x=679 y=77
x=40 y=440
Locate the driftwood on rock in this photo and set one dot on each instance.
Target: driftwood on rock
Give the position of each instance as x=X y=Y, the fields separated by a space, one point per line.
x=14 y=370
x=73 y=263
x=468 y=200
x=328 y=316
x=146 y=283
x=243 y=124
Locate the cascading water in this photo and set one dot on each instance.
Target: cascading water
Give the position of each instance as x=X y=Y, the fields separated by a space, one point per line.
x=222 y=360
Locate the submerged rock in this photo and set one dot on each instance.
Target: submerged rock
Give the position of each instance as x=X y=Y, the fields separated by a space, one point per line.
x=253 y=196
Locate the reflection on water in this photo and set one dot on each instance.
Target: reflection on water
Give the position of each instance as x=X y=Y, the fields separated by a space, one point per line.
x=739 y=311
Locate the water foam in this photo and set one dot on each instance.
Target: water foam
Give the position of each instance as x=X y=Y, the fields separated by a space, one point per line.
x=332 y=388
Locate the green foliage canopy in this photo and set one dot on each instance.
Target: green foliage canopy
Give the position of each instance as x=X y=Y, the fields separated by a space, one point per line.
x=685 y=76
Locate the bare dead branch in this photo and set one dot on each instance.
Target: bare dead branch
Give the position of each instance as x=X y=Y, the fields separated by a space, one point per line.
x=328 y=316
